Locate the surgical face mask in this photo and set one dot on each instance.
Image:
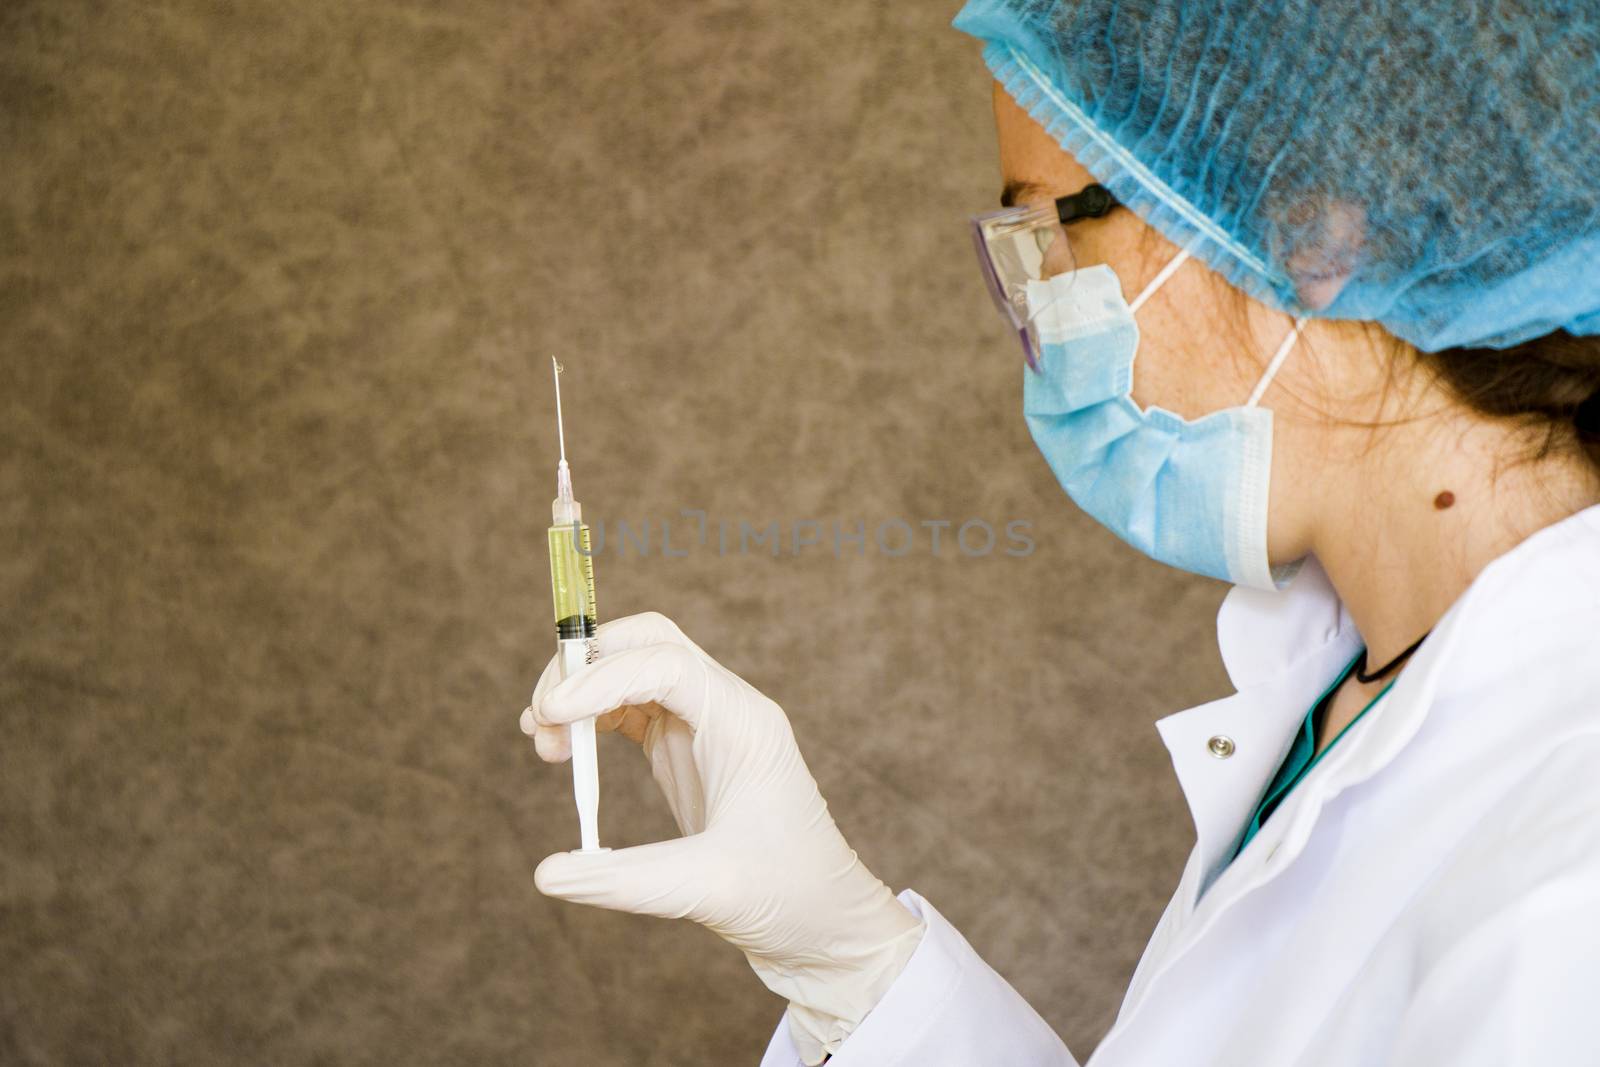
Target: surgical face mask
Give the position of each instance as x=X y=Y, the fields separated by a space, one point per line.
x=1190 y=494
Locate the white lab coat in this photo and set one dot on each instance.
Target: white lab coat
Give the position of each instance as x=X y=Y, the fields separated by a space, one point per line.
x=1428 y=894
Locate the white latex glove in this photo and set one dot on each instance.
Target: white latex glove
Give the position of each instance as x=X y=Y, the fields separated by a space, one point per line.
x=761 y=862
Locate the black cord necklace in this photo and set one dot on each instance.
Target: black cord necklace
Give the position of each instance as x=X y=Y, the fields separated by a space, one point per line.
x=1362 y=676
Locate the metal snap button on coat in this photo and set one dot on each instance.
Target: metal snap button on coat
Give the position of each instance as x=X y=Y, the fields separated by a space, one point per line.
x=1220 y=746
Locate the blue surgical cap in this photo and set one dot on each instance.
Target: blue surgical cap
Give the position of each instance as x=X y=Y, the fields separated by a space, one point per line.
x=1431 y=165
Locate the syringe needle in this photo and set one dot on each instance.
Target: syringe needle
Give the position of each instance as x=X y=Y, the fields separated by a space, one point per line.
x=565 y=509
x=561 y=432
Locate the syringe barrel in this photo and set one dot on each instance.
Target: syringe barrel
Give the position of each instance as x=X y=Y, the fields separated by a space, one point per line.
x=572 y=591
x=572 y=581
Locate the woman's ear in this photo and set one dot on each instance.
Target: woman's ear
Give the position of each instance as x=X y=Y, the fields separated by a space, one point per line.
x=1327 y=248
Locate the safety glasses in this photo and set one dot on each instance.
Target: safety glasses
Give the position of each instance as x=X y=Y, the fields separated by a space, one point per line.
x=1017 y=245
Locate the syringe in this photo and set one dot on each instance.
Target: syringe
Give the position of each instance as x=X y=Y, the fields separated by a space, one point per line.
x=572 y=589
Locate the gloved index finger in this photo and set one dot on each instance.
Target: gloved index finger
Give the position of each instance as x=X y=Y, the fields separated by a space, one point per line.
x=637 y=631
x=613 y=636
x=666 y=674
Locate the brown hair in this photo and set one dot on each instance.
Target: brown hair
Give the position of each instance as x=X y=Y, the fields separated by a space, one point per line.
x=1551 y=382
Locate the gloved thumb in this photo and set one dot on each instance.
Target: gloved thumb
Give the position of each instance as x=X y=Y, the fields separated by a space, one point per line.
x=666 y=879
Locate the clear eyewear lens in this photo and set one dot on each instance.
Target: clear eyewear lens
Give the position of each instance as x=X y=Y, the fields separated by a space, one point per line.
x=1015 y=246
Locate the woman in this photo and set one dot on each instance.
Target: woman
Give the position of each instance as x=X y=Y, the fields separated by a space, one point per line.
x=1356 y=248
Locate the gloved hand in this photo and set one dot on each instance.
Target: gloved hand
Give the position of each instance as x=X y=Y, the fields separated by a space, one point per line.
x=761 y=861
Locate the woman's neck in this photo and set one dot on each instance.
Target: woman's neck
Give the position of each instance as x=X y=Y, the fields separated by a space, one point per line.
x=1425 y=509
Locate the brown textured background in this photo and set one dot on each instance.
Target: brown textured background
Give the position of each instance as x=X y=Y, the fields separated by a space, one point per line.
x=278 y=285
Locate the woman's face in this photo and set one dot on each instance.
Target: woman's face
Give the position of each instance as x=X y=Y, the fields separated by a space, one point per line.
x=1202 y=346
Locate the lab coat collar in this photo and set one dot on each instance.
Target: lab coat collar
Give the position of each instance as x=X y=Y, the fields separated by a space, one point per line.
x=1262 y=632
x=1282 y=649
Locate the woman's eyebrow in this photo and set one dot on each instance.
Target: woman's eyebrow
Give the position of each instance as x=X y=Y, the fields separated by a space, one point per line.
x=1016 y=189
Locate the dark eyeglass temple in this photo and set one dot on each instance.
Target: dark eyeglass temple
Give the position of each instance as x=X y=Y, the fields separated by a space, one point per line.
x=1090 y=202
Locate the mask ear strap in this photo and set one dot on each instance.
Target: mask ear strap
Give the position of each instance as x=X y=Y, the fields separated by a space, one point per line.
x=1159 y=280
x=1277 y=361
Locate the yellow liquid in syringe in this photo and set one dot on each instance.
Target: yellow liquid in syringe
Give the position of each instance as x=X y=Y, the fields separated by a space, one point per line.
x=572 y=581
